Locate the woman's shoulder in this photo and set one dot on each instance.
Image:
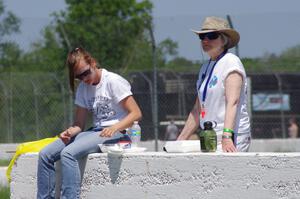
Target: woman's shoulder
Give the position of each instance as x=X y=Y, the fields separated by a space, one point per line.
x=111 y=75
x=233 y=60
x=231 y=56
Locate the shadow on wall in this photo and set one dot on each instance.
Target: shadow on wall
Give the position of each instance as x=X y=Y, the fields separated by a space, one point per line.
x=114 y=165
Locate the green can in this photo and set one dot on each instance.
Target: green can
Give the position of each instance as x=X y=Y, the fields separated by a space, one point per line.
x=208 y=138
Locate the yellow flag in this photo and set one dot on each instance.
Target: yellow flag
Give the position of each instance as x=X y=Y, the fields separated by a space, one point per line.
x=27 y=147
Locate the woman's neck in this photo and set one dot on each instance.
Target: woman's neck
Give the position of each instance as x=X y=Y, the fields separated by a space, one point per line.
x=98 y=75
x=215 y=54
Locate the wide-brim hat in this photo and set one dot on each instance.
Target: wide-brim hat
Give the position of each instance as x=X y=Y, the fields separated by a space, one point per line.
x=216 y=24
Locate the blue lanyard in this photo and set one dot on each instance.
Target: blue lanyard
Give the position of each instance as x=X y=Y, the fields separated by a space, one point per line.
x=209 y=76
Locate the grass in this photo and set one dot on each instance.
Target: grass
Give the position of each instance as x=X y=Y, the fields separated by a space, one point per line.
x=4 y=163
x=4 y=192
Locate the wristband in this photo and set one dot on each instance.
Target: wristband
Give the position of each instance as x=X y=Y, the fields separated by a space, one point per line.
x=226 y=136
x=228 y=130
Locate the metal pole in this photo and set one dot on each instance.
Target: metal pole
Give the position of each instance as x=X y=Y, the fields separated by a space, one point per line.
x=151 y=90
x=66 y=38
x=283 y=130
x=69 y=45
x=63 y=99
x=155 y=112
x=36 y=108
x=231 y=26
x=11 y=125
x=7 y=110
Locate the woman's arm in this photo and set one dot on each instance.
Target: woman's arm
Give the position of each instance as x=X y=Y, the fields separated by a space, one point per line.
x=233 y=87
x=78 y=125
x=192 y=122
x=134 y=114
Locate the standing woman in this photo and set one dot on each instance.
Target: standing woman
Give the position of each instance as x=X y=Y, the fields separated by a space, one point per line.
x=108 y=96
x=221 y=88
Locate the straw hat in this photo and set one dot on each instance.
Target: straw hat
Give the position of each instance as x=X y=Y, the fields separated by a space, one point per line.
x=216 y=24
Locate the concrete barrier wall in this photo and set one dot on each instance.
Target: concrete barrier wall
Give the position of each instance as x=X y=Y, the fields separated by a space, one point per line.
x=164 y=175
x=257 y=145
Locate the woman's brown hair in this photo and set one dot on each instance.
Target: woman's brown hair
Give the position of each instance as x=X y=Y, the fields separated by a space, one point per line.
x=73 y=59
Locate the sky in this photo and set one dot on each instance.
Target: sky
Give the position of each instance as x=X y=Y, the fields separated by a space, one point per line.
x=265 y=26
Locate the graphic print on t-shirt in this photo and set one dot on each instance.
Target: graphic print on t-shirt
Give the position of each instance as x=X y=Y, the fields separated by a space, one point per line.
x=213 y=81
x=102 y=108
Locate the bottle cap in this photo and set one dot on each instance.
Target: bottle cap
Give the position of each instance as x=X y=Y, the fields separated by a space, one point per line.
x=208 y=125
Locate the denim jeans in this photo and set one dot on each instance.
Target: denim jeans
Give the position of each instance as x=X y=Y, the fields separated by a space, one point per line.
x=80 y=146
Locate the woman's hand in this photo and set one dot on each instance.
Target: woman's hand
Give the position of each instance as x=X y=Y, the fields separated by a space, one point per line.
x=107 y=132
x=228 y=146
x=66 y=136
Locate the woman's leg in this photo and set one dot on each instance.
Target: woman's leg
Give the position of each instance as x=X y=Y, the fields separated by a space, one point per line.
x=84 y=144
x=46 y=171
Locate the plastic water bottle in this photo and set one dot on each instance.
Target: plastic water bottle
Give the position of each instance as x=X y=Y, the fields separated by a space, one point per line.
x=135 y=134
x=208 y=138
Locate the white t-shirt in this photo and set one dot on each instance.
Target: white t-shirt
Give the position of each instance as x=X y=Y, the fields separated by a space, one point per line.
x=214 y=104
x=103 y=99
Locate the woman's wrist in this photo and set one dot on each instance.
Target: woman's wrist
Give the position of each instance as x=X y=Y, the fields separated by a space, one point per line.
x=73 y=130
x=228 y=130
x=226 y=136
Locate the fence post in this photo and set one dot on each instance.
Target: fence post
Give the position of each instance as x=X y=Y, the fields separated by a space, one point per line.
x=283 y=130
x=63 y=98
x=155 y=105
x=36 y=108
x=6 y=107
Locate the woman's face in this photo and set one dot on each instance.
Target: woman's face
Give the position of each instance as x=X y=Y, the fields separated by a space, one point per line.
x=85 y=72
x=211 y=42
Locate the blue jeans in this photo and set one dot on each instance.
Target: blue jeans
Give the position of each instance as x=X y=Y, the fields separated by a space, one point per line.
x=80 y=146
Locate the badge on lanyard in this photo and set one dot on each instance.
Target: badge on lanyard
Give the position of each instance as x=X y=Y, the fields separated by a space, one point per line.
x=202 y=111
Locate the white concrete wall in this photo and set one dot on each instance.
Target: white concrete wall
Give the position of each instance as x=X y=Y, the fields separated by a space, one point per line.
x=275 y=145
x=164 y=175
x=257 y=145
x=7 y=150
x=3 y=180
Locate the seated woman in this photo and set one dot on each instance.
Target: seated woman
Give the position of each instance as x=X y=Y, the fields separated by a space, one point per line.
x=108 y=96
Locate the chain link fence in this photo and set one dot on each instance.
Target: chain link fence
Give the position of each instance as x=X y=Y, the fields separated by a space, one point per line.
x=274 y=98
x=38 y=105
x=33 y=106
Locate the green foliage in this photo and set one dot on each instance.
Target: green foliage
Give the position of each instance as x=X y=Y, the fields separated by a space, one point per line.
x=10 y=55
x=4 y=162
x=108 y=29
x=38 y=106
x=143 y=54
x=287 y=61
x=9 y=22
x=4 y=192
x=46 y=55
x=183 y=64
x=9 y=51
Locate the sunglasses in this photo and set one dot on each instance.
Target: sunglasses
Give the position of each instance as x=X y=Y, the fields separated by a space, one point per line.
x=209 y=36
x=83 y=74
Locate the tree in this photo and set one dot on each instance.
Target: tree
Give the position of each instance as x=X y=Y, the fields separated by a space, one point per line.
x=47 y=55
x=108 y=29
x=143 y=55
x=9 y=24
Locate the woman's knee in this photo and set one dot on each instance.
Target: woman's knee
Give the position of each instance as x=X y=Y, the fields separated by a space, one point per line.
x=66 y=154
x=44 y=156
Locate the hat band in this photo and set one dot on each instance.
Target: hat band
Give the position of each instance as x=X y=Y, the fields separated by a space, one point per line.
x=209 y=29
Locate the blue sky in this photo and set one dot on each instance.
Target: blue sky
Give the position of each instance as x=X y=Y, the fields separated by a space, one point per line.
x=265 y=26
